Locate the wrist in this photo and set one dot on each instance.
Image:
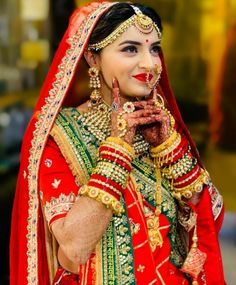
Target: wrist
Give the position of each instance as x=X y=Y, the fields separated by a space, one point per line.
x=176 y=163
x=110 y=176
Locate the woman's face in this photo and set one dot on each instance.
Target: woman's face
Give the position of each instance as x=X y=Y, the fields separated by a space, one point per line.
x=128 y=59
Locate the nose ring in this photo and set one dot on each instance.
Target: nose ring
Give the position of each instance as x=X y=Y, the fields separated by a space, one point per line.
x=153 y=79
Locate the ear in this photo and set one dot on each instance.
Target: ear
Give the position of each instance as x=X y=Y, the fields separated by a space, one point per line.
x=91 y=58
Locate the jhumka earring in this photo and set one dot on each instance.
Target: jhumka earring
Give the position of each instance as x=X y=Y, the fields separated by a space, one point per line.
x=94 y=82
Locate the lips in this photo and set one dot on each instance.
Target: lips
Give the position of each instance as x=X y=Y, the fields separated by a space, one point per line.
x=143 y=77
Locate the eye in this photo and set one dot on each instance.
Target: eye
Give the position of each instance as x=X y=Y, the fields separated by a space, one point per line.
x=130 y=49
x=156 y=49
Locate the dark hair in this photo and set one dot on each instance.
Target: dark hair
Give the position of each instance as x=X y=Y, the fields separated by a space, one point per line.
x=117 y=14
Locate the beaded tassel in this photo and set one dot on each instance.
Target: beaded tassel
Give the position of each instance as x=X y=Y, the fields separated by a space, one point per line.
x=195 y=260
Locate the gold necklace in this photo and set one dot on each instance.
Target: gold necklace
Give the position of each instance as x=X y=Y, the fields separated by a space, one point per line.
x=98 y=121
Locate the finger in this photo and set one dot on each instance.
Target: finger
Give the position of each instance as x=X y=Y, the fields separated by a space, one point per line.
x=142 y=104
x=154 y=95
x=146 y=121
x=115 y=94
x=143 y=113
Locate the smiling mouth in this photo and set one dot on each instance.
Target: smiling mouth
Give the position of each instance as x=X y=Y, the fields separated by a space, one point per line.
x=143 y=77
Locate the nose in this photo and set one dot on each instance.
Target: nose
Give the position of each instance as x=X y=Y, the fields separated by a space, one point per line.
x=147 y=61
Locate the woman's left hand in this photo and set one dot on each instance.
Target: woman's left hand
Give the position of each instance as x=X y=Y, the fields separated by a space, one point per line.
x=157 y=132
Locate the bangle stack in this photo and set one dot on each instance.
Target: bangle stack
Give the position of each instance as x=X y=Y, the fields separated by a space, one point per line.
x=176 y=163
x=110 y=176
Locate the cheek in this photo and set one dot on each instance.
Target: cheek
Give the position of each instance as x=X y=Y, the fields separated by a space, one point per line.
x=158 y=61
x=113 y=68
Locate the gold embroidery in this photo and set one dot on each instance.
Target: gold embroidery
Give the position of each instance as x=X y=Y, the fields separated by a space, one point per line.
x=141 y=244
x=60 y=205
x=67 y=150
x=24 y=174
x=56 y=183
x=44 y=123
x=134 y=227
x=140 y=268
x=216 y=201
x=155 y=237
x=158 y=273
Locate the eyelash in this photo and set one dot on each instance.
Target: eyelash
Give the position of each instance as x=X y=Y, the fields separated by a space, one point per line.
x=131 y=49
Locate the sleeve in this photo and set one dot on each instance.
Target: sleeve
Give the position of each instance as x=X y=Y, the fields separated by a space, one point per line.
x=58 y=189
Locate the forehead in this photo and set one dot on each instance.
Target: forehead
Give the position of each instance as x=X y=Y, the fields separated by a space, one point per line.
x=133 y=34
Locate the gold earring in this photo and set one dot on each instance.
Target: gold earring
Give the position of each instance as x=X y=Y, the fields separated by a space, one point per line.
x=94 y=78
x=94 y=82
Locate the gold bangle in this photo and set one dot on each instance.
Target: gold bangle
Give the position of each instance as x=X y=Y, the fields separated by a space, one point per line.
x=195 y=187
x=170 y=149
x=155 y=151
x=181 y=167
x=112 y=172
x=101 y=196
x=122 y=143
x=116 y=155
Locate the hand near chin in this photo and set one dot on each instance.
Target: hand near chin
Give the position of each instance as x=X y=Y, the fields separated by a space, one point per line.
x=159 y=131
x=126 y=119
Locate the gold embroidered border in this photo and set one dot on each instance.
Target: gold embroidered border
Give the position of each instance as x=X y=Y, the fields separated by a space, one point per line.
x=69 y=155
x=59 y=205
x=42 y=128
x=98 y=266
x=216 y=201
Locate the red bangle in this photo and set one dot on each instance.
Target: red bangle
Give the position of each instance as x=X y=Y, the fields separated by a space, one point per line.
x=180 y=150
x=196 y=170
x=104 y=188
x=107 y=180
x=113 y=150
x=117 y=161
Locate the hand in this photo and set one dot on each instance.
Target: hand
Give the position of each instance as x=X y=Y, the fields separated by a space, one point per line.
x=141 y=117
x=155 y=133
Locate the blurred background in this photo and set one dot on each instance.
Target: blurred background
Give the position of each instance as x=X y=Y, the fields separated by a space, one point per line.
x=199 y=41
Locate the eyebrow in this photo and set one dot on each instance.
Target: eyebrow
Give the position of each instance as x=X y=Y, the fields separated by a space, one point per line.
x=138 y=43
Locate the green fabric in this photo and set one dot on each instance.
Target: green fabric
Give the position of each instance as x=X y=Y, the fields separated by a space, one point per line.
x=118 y=265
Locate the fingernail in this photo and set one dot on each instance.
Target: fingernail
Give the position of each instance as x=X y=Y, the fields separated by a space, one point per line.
x=113 y=82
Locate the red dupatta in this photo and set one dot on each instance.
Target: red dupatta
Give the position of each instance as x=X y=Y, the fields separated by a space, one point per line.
x=28 y=261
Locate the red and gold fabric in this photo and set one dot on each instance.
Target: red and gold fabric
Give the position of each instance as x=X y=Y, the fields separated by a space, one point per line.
x=33 y=248
x=128 y=237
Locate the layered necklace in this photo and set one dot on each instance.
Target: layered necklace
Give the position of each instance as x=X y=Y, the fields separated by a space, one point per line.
x=98 y=122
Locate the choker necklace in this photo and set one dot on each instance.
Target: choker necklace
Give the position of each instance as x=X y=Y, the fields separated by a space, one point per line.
x=98 y=122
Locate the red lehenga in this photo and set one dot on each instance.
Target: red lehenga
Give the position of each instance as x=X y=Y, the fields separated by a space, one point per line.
x=125 y=254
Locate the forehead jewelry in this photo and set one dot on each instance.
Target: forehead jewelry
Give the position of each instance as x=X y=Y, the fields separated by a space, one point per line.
x=143 y=23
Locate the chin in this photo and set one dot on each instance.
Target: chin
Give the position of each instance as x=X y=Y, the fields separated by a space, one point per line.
x=138 y=92
x=142 y=93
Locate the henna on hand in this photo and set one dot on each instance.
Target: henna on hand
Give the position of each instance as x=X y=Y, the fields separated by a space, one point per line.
x=153 y=121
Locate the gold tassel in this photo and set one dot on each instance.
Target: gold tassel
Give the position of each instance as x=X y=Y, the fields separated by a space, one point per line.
x=195 y=260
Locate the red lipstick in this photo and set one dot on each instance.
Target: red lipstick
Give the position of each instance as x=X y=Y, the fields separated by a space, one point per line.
x=143 y=77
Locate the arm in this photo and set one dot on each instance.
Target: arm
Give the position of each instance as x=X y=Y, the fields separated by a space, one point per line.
x=79 y=224
x=81 y=229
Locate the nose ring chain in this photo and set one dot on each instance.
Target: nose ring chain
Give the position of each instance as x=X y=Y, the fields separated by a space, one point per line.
x=153 y=79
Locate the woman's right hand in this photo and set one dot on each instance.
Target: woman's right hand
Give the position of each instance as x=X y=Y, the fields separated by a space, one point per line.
x=134 y=119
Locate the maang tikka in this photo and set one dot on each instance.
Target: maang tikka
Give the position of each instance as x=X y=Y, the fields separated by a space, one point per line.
x=94 y=82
